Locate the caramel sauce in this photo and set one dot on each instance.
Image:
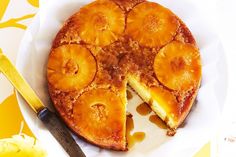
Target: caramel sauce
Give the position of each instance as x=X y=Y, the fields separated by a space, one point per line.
x=129 y=95
x=129 y=124
x=135 y=137
x=139 y=136
x=143 y=109
x=157 y=121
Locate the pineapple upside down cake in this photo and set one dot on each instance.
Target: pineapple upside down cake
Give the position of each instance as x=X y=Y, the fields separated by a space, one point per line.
x=108 y=44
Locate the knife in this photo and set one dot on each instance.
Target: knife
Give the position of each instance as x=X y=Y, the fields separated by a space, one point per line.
x=50 y=119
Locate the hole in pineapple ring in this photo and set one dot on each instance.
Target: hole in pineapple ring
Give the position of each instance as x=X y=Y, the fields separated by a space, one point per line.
x=70 y=67
x=99 y=111
x=150 y=23
x=100 y=21
x=177 y=64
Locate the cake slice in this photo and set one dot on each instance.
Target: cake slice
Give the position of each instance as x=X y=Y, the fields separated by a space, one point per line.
x=178 y=68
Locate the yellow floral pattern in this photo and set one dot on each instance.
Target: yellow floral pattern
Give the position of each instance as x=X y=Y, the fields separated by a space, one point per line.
x=15 y=22
x=3 y=7
x=10 y=125
x=34 y=3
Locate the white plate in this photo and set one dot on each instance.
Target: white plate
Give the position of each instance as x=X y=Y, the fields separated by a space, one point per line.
x=201 y=123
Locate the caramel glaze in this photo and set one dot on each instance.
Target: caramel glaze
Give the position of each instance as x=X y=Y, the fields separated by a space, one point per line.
x=143 y=109
x=161 y=124
x=129 y=95
x=134 y=138
x=157 y=121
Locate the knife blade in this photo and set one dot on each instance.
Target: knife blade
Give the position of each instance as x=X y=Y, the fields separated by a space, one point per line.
x=50 y=119
x=60 y=132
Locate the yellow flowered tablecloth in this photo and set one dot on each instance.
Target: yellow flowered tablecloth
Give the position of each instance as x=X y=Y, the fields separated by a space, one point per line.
x=15 y=15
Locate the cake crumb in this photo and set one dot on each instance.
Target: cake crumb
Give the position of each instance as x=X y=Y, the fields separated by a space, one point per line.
x=170 y=132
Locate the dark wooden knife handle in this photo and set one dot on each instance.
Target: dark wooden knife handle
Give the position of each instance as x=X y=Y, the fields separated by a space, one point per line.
x=60 y=132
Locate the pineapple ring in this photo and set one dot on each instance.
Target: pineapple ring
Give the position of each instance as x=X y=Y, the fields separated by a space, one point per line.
x=178 y=66
x=71 y=67
x=151 y=24
x=99 y=115
x=100 y=23
x=167 y=100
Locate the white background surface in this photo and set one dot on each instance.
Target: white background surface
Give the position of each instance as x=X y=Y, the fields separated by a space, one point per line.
x=227 y=31
x=221 y=14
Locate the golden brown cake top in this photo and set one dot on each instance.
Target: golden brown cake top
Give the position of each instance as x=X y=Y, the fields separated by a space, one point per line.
x=103 y=44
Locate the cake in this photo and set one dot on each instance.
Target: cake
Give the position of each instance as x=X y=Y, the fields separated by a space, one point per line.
x=110 y=44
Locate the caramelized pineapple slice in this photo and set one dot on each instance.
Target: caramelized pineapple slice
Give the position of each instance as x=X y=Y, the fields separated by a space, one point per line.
x=100 y=117
x=100 y=23
x=178 y=66
x=164 y=103
x=71 y=67
x=151 y=24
